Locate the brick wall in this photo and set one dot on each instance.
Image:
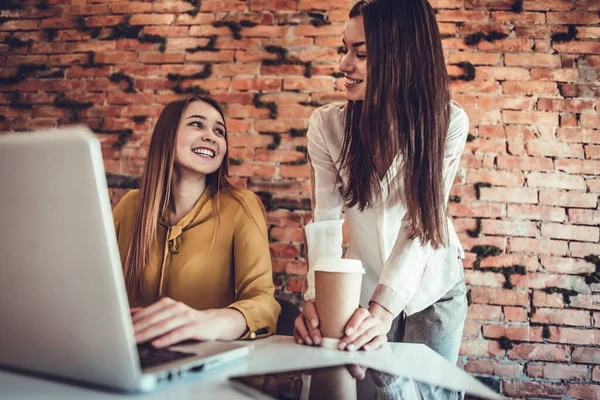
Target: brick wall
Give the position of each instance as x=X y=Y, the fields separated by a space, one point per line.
x=525 y=201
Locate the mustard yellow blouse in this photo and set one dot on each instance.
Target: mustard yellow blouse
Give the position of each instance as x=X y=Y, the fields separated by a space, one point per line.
x=236 y=273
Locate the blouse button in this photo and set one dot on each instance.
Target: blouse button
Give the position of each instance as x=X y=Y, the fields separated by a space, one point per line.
x=253 y=335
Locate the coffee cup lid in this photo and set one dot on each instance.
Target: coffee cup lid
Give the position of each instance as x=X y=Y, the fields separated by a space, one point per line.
x=346 y=265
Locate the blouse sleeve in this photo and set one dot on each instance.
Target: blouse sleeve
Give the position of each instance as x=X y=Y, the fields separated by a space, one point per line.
x=255 y=292
x=324 y=232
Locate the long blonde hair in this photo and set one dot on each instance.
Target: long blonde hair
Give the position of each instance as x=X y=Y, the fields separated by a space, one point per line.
x=155 y=189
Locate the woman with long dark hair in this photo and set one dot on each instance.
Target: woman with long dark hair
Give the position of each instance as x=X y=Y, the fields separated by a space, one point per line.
x=389 y=156
x=194 y=247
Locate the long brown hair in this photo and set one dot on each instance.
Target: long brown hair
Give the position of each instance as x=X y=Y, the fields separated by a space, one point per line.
x=405 y=113
x=155 y=189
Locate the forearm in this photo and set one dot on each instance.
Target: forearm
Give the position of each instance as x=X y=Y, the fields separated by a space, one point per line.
x=229 y=323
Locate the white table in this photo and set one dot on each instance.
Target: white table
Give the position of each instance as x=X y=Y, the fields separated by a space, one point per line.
x=267 y=355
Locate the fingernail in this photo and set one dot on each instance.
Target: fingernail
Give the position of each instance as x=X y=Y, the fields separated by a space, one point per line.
x=351 y=347
x=313 y=323
x=299 y=341
x=342 y=345
x=308 y=341
x=349 y=331
x=316 y=339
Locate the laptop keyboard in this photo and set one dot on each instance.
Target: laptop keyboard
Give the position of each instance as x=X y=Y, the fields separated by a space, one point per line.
x=151 y=357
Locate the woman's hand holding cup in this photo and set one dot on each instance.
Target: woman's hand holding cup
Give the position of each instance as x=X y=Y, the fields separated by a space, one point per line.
x=306 y=326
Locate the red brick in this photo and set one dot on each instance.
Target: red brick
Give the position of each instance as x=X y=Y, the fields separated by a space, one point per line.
x=325 y=30
x=85 y=9
x=210 y=56
x=579 y=167
x=129 y=7
x=479 y=209
x=162 y=58
x=316 y=84
x=558 y=371
x=487 y=279
x=494 y=367
x=256 y=84
x=510 y=195
x=282 y=250
x=152 y=19
x=554 y=149
x=586 y=355
x=505 y=103
x=584 y=392
x=532 y=60
x=483 y=312
x=475 y=86
x=208 y=30
x=561 y=317
x=539 y=352
x=287 y=234
x=596 y=373
x=474 y=58
x=538 y=246
x=502 y=73
x=508 y=260
x=295 y=171
x=558 y=75
x=515 y=314
x=542 y=299
x=171 y=6
x=523 y=18
x=320 y=5
x=486 y=146
x=499 y=296
x=524 y=163
x=593 y=185
x=548 y=5
x=509 y=228
x=529 y=87
x=481 y=348
x=462 y=16
x=279 y=125
x=258 y=170
x=20 y=25
x=584 y=217
x=591 y=121
x=592 y=152
x=583 y=249
x=568 y=199
x=471 y=329
x=540 y=280
x=513 y=332
x=571 y=232
x=567 y=265
x=558 y=181
x=284 y=218
x=572 y=17
x=496 y=178
x=578 y=135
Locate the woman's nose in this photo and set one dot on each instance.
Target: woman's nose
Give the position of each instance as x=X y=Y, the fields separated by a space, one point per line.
x=346 y=65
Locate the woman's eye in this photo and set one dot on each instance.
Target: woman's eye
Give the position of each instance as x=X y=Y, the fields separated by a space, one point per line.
x=196 y=124
x=361 y=56
x=344 y=50
x=220 y=132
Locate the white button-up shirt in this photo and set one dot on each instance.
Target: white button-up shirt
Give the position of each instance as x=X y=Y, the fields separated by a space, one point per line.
x=402 y=274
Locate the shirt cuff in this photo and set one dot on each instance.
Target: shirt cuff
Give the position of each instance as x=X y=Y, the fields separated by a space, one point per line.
x=389 y=299
x=257 y=326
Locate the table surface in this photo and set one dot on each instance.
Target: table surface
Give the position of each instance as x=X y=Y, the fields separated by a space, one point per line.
x=269 y=355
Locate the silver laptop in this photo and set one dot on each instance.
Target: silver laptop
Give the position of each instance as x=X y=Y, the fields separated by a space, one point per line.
x=63 y=303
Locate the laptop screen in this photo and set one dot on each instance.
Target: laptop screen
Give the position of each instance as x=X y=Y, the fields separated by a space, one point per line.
x=347 y=382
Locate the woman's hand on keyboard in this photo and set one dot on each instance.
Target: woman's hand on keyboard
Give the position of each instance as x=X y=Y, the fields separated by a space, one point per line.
x=167 y=322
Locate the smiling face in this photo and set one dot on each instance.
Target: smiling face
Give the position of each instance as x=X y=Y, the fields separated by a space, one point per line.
x=200 y=145
x=354 y=63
